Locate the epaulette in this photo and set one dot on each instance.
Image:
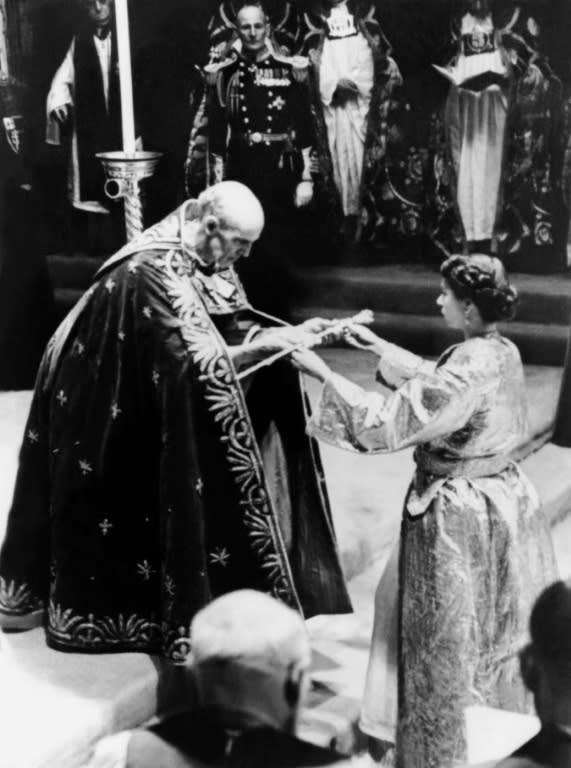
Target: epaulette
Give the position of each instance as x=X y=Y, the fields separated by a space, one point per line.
x=299 y=65
x=213 y=70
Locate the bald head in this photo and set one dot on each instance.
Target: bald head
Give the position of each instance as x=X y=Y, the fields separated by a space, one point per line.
x=235 y=206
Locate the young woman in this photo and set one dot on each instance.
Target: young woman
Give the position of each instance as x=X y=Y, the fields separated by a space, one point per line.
x=475 y=549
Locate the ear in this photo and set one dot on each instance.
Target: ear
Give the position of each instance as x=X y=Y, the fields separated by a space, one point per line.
x=294 y=685
x=211 y=224
x=528 y=668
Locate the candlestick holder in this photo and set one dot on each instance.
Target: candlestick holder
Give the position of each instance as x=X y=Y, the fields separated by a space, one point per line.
x=124 y=172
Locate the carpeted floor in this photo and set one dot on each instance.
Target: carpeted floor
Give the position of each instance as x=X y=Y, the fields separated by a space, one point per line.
x=69 y=700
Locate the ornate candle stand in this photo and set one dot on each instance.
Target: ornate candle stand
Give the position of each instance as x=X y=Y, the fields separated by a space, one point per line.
x=124 y=172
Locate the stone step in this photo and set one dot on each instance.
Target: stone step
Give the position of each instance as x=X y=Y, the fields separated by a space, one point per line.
x=413 y=289
x=74 y=271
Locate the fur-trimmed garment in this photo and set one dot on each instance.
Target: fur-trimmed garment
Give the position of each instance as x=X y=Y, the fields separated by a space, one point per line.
x=348 y=42
x=516 y=133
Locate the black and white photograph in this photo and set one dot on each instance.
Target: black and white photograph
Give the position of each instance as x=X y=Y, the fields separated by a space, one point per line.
x=285 y=383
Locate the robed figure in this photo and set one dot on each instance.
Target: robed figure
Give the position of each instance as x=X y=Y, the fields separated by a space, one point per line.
x=152 y=476
x=506 y=135
x=354 y=82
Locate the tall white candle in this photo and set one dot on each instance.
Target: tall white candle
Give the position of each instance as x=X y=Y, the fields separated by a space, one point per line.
x=125 y=75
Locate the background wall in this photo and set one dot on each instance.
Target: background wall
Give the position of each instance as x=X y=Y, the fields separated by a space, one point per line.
x=169 y=40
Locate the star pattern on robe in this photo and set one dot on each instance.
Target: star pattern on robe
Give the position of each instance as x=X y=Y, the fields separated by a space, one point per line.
x=61 y=397
x=199 y=486
x=115 y=411
x=170 y=586
x=220 y=556
x=33 y=436
x=145 y=570
x=105 y=526
x=85 y=467
x=147 y=312
x=79 y=348
x=121 y=336
x=155 y=376
x=133 y=266
x=110 y=285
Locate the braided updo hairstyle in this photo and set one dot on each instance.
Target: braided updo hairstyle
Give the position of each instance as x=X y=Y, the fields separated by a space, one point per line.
x=483 y=280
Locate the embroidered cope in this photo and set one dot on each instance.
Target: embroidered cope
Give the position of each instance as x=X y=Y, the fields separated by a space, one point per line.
x=146 y=484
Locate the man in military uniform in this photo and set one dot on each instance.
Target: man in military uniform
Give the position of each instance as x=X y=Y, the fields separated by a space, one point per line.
x=260 y=134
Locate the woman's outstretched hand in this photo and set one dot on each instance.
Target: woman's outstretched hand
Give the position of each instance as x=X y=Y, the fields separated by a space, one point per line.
x=363 y=338
x=308 y=362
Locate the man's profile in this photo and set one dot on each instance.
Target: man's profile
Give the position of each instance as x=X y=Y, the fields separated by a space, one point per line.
x=152 y=477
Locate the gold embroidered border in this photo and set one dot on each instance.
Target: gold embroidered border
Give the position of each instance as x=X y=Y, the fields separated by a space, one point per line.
x=18 y=598
x=226 y=403
x=105 y=633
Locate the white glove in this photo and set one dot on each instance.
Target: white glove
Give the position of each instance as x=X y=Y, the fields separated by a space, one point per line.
x=303 y=194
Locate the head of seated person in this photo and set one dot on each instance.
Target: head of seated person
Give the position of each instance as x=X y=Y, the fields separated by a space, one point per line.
x=546 y=660
x=250 y=658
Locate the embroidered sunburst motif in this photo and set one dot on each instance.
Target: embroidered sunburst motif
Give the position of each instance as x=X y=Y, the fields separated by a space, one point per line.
x=61 y=397
x=220 y=556
x=33 y=436
x=16 y=597
x=145 y=570
x=85 y=467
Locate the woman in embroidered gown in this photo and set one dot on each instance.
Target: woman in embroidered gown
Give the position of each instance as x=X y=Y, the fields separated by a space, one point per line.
x=475 y=548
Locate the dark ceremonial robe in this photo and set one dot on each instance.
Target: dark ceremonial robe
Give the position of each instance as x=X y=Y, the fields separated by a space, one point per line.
x=550 y=748
x=193 y=739
x=532 y=219
x=96 y=122
x=150 y=479
x=98 y=126
x=27 y=311
x=383 y=112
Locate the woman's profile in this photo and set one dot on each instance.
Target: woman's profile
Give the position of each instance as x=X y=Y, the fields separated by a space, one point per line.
x=452 y=607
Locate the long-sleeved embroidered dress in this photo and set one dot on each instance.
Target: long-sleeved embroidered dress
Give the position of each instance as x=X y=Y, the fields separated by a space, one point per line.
x=474 y=551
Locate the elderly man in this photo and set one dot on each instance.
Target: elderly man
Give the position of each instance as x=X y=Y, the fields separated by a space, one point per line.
x=546 y=671
x=155 y=473
x=249 y=663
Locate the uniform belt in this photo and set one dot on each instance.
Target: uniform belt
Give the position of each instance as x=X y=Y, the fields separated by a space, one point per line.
x=256 y=137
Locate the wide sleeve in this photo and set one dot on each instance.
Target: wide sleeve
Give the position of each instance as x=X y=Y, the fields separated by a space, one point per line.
x=61 y=93
x=397 y=365
x=426 y=407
